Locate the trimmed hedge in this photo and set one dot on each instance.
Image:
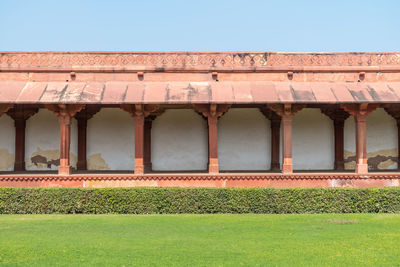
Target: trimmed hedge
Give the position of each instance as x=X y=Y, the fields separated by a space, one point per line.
x=161 y=200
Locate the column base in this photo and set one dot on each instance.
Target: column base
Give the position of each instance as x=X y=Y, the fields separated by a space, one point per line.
x=139 y=169
x=81 y=166
x=339 y=165
x=213 y=168
x=275 y=166
x=148 y=167
x=19 y=166
x=287 y=168
x=361 y=168
x=139 y=166
x=64 y=170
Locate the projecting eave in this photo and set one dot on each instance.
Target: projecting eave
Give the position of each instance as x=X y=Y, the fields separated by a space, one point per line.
x=197 y=92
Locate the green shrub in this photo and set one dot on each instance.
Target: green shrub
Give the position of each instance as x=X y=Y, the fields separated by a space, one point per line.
x=161 y=200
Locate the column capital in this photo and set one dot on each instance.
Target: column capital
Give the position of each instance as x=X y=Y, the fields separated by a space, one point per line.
x=65 y=110
x=359 y=110
x=88 y=112
x=22 y=112
x=285 y=110
x=142 y=110
x=335 y=113
x=212 y=110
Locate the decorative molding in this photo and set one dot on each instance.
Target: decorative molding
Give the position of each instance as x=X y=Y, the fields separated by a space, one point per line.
x=220 y=176
x=164 y=61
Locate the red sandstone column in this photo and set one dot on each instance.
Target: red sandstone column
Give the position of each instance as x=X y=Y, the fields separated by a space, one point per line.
x=213 y=166
x=360 y=113
x=275 y=141
x=82 y=143
x=287 y=163
x=339 y=144
x=212 y=112
x=361 y=143
x=139 y=142
x=20 y=125
x=65 y=113
x=398 y=144
x=147 y=144
x=65 y=137
x=20 y=114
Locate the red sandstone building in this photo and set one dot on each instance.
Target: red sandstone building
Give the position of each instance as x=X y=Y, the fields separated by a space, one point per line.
x=97 y=119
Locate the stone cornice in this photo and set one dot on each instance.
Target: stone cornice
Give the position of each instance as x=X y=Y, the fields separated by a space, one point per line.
x=198 y=61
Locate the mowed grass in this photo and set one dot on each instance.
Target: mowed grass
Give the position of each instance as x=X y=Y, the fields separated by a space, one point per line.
x=200 y=240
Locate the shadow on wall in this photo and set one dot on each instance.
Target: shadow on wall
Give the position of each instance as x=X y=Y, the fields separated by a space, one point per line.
x=46 y=159
x=379 y=160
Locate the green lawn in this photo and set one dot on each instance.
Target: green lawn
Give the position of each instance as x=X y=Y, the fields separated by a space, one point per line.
x=200 y=240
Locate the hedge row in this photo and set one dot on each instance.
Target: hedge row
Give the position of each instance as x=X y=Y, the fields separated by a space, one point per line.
x=198 y=200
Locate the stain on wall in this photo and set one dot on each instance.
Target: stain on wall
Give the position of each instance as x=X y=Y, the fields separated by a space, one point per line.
x=48 y=159
x=96 y=162
x=6 y=160
x=7 y=141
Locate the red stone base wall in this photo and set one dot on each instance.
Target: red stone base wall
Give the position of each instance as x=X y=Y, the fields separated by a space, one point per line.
x=203 y=180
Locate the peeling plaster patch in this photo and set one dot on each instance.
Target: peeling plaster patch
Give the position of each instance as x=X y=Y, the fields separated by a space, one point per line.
x=96 y=162
x=46 y=159
x=379 y=160
x=7 y=160
x=341 y=183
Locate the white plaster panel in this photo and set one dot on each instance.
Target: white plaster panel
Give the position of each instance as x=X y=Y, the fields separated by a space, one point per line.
x=381 y=139
x=313 y=141
x=7 y=143
x=111 y=140
x=42 y=138
x=244 y=140
x=179 y=141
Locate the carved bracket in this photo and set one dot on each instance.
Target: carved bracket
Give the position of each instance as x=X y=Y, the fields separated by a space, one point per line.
x=212 y=110
x=359 y=109
x=21 y=112
x=393 y=110
x=88 y=112
x=65 y=112
x=4 y=108
x=270 y=114
x=286 y=109
x=335 y=113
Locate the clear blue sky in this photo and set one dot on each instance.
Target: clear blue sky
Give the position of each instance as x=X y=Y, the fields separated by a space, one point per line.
x=218 y=25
